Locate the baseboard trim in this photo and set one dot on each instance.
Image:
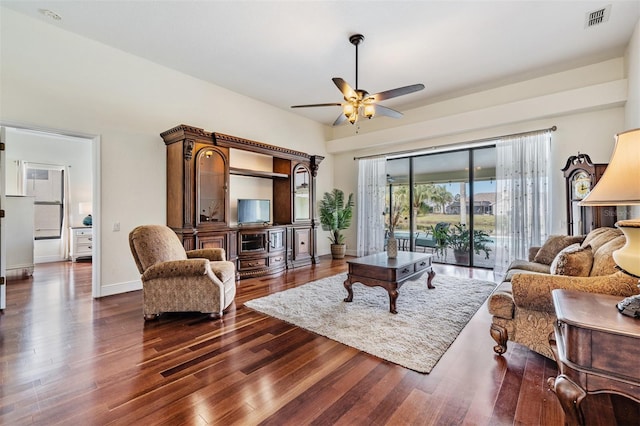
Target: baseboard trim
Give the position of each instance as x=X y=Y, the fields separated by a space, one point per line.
x=48 y=259
x=117 y=288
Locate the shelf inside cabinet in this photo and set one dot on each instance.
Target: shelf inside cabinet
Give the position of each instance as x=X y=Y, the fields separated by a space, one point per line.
x=257 y=173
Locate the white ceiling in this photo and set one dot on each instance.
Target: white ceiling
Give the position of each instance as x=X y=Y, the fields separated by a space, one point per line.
x=286 y=52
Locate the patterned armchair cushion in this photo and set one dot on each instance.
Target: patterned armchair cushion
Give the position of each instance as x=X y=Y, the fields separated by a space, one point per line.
x=553 y=245
x=176 y=268
x=603 y=263
x=526 y=265
x=534 y=291
x=216 y=254
x=225 y=271
x=599 y=237
x=574 y=260
x=501 y=301
x=152 y=244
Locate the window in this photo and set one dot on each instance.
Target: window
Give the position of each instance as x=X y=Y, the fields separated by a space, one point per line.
x=46 y=184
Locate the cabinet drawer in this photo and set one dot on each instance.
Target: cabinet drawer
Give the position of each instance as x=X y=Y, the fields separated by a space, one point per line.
x=403 y=272
x=83 y=251
x=83 y=232
x=245 y=264
x=277 y=260
x=84 y=239
x=423 y=264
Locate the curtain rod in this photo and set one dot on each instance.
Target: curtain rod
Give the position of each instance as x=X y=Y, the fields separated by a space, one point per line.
x=408 y=153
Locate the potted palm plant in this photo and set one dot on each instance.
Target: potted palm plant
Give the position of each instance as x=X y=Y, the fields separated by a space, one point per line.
x=335 y=216
x=457 y=238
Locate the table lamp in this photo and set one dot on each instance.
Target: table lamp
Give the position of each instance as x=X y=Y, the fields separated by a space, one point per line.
x=620 y=186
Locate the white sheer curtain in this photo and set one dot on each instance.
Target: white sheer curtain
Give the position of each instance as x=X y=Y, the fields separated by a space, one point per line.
x=522 y=202
x=370 y=205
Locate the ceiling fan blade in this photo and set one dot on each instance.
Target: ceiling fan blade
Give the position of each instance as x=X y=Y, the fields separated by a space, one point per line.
x=382 y=110
x=344 y=87
x=315 y=105
x=388 y=94
x=341 y=119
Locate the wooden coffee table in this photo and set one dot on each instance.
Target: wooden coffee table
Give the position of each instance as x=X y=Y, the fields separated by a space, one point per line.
x=378 y=270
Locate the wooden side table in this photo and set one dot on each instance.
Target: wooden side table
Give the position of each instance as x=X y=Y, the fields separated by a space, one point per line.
x=596 y=349
x=81 y=242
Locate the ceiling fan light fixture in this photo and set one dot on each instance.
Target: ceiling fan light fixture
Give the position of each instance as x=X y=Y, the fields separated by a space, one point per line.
x=348 y=109
x=369 y=110
x=353 y=117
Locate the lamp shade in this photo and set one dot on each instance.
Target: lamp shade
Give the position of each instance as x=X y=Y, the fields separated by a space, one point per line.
x=620 y=182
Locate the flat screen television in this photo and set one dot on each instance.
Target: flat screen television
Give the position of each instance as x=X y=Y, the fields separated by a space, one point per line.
x=253 y=211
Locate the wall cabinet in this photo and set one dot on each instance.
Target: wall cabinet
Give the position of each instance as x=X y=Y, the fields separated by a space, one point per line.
x=198 y=200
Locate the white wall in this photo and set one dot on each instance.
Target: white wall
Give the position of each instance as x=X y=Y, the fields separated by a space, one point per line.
x=73 y=153
x=632 y=68
x=632 y=117
x=57 y=80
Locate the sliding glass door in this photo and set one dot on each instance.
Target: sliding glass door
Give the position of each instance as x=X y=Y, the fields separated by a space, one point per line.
x=447 y=203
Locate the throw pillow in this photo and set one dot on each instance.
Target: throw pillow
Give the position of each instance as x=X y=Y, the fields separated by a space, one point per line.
x=603 y=263
x=600 y=236
x=574 y=260
x=553 y=245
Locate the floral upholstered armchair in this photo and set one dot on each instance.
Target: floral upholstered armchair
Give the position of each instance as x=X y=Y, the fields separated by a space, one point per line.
x=521 y=306
x=175 y=280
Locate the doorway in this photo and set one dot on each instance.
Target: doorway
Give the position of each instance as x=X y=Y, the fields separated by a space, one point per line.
x=77 y=155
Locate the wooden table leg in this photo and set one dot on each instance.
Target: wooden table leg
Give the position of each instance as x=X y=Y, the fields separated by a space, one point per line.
x=431 y=275
x=393 y=296
x=347 y=284
x=570 y=396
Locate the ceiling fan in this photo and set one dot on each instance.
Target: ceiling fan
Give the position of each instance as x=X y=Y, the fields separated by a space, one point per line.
x=359 y=102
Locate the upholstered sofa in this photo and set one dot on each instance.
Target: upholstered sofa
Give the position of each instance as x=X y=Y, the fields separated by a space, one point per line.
x=522 y=306
x=175 y=280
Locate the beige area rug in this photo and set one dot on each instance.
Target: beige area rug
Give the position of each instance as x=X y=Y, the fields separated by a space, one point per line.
x=427 y=322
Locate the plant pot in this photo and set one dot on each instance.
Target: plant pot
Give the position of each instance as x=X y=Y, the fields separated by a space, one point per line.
x=462 y=256
x=338 y=250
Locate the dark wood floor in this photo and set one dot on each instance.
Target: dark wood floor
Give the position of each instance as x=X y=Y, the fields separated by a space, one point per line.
x=66 y=358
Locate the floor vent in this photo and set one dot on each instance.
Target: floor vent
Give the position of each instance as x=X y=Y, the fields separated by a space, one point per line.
x=597 y=17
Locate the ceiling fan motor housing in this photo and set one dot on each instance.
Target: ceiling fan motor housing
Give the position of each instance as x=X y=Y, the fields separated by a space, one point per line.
x=356 y=39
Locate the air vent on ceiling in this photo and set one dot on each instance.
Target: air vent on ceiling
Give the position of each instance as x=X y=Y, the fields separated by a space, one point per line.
x=597 y=16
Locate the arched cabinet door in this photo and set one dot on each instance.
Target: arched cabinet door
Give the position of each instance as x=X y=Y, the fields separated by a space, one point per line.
x=301 y=194
x=212 y=173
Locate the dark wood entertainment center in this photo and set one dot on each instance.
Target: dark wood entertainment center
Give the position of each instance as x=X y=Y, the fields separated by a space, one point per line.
x=199 y=198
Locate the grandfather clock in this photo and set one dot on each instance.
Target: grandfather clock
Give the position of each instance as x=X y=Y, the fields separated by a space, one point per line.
x=580 y=176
